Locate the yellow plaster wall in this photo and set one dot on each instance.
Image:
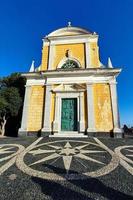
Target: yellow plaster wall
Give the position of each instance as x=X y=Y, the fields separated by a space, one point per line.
x=94 y=54
x=76 y=50
x=102 y=107
x=45 y=53
x=36 y=108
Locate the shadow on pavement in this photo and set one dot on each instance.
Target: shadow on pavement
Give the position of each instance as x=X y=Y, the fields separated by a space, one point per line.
x=83 y=189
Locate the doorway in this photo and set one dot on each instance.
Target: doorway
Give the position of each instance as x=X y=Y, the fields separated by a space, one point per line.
x=69 y=114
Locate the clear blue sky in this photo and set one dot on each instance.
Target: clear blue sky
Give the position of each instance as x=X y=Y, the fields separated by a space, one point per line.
x=23 y=24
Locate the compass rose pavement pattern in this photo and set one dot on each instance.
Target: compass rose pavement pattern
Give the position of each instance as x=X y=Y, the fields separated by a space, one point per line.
x=48 y=168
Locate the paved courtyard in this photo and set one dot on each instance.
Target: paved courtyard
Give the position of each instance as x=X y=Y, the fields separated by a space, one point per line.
x=66 y=169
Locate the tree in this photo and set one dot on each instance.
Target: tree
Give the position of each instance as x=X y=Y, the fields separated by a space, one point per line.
x=14 y=80
x=3 y=106
x=11 y=100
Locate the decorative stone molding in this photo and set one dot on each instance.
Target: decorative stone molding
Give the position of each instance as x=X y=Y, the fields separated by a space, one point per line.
x=31 y=82
x=69 y=88
x=70 y=29
x=63 y=61
x=58 y=107
x=45 y=42
x=74 y=39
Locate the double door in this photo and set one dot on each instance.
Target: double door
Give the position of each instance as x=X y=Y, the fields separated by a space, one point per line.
x=69 y=114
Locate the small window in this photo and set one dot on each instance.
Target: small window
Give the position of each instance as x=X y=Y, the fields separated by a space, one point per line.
x=69 y=64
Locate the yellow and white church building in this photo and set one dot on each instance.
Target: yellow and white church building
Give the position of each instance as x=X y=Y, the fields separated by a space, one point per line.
x=71 y=94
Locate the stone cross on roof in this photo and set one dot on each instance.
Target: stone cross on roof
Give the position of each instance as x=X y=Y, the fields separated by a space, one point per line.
x=69 y=24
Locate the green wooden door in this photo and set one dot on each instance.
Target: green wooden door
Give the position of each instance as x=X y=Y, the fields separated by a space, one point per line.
x=69 y=114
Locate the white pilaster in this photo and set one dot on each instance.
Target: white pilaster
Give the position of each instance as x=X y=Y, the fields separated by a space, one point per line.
x=24 y=122
x=87 y=55
x=51 y=48
x=56 y=120
x=81 y=113
x=47 y=110
x=116 y=120
x=90 y=108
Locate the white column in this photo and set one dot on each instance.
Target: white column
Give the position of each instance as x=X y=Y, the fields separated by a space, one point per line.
x=81 y=113
x=87 y=55
x=116 y=120
x=47 y=110
x=51 y=48
x=90 y=108
x=56 y=120
x=24 y=122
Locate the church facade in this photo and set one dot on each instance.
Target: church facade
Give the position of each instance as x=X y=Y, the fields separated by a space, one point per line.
x=71 y=94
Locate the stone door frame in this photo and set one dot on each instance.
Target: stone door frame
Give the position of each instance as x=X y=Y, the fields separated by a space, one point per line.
x=80 y=111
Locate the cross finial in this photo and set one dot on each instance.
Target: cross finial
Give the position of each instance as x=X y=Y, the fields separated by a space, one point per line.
x=69 y=24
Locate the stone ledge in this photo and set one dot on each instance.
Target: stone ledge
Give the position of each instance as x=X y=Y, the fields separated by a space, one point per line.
x=69 y=135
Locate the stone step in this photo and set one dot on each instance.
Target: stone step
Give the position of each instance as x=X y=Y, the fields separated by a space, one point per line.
x=69 y=135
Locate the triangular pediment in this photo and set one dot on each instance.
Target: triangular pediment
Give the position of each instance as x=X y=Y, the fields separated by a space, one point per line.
x=69 y=88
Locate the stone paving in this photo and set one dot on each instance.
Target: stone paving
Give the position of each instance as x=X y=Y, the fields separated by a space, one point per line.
x=68 y=169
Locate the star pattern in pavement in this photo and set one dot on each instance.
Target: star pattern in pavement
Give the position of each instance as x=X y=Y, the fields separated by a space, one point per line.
x=5 y=150
x=130 y=155
x=67 y=152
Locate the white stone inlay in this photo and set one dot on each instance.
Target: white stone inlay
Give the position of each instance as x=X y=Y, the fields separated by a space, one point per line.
x=124 y=160
x=67 y=152
x=11 y=155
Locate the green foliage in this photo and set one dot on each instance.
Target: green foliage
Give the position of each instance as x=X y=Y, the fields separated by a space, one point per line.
x=10 y=101
x=3 y=106
x=14 y=80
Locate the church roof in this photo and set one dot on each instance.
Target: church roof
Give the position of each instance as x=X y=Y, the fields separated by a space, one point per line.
x=69 y=30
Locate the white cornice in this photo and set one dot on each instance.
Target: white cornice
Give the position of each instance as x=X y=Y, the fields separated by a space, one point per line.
x=81 y=72
x=36 y=75
x=78 y=80
x=70 y=39
x=34 y=82
x=72 y=76
x=71 y=36
x=73 y=72
x=69 y=29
